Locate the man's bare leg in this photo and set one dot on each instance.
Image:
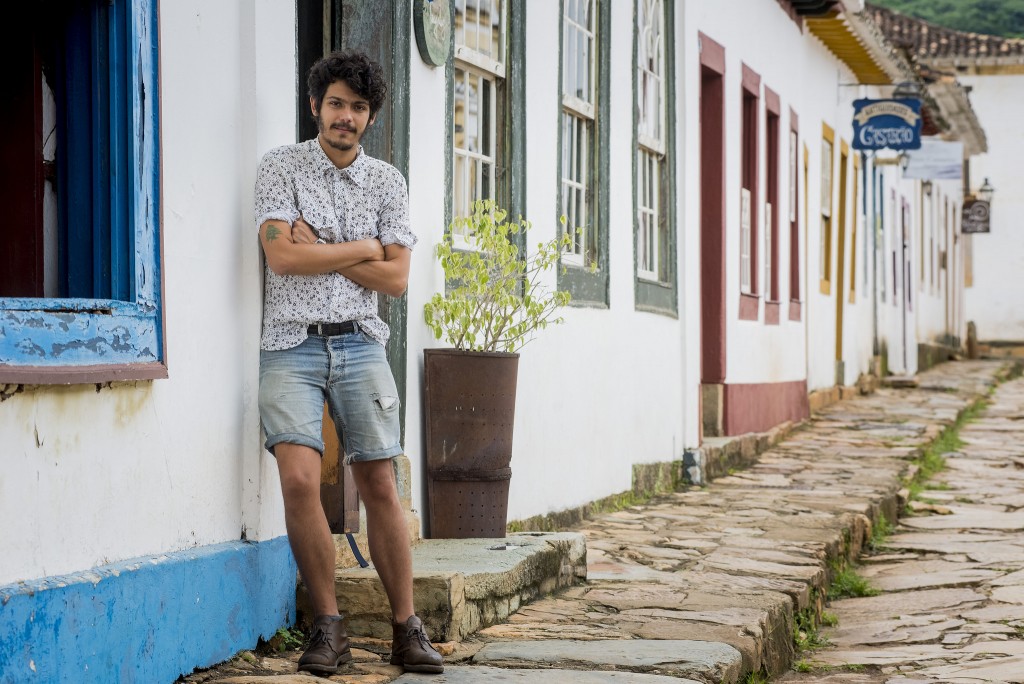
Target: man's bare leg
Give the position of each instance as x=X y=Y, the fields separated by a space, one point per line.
x=387 y=532
x=308 y=531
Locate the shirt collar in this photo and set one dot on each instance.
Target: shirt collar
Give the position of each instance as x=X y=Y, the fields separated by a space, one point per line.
x=357 y=170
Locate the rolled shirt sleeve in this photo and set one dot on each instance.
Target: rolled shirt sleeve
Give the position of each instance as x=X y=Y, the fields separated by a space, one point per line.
x=275 y=192
x=393 y=221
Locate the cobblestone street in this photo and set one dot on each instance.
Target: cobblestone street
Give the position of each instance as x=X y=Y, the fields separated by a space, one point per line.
x=951 y=577
x=711 y=583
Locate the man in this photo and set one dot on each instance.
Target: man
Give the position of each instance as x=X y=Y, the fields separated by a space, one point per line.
x=334 y=226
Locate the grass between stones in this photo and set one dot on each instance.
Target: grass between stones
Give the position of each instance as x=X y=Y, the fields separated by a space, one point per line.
x=932 y=459
x=848 y=583
x=880 y=531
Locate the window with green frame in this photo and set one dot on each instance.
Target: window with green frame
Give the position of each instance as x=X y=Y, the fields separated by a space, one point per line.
x=583 y=148
x=486 y=107
x=654 y=158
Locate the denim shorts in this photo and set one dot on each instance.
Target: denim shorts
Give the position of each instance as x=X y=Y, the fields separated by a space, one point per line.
x=351 y=373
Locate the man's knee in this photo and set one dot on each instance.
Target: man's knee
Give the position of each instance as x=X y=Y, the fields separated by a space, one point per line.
x=376 y=480
x=299 y=468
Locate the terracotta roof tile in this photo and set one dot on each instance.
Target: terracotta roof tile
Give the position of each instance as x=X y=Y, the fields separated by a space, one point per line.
x=926 y=40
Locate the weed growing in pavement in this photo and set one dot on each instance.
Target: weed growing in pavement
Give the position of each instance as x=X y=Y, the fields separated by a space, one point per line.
x=846 y=583
x=803 y=666
x=1015 y=371
x=285 y=639
x=806 y=635
x=932 y=459
x=829 y=619
x=757 y=678
x=880 y=531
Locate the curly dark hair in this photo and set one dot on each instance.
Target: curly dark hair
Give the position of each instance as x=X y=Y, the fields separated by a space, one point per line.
x=362 y=74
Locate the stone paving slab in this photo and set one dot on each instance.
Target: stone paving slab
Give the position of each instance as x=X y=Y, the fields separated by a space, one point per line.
x=485 y=675
x=703 y=660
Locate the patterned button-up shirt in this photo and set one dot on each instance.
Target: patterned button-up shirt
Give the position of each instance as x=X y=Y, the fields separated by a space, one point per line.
x=367 y=199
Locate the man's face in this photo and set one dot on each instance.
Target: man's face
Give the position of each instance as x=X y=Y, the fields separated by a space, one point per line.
x=343 y=116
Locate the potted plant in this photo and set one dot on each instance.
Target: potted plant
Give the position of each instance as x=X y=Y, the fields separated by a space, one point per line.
x=495 y=302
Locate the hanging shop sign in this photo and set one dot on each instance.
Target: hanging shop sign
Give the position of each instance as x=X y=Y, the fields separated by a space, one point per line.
x=895 y=124
x=936 y=160
x=975 y=216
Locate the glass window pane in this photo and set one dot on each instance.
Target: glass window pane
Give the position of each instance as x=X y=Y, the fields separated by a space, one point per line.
x=461 y=203
x=460 y=22
x=486 y=112
x=496 y=46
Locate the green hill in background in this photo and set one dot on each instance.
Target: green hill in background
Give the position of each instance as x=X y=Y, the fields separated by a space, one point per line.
x=995 y=17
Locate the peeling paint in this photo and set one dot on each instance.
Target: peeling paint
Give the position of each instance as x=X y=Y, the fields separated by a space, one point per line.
x=29 y=348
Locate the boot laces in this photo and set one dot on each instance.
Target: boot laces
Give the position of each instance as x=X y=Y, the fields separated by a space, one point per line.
x=418 y=634
x=319 y=638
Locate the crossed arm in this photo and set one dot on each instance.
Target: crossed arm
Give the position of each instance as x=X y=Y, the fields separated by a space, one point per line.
x=292 y=250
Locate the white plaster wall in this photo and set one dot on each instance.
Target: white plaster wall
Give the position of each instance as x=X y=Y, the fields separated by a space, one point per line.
x=900 y=340
x=603 y=391
x=755 y=352
x=93 y=476
x=427 y=192
x=996 y=301
x=858 y=326
x=814 y=83
x=936 y=286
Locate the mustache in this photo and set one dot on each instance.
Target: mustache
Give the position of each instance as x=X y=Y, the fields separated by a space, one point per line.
x=344 y=128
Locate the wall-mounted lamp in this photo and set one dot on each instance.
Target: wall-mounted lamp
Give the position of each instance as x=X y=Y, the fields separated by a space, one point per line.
x=986 y=191
x=907 y=90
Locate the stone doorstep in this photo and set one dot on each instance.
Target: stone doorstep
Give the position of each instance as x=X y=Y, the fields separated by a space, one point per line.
x=463 y=585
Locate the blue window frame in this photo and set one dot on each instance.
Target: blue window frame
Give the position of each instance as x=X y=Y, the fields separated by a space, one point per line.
x=97 y=312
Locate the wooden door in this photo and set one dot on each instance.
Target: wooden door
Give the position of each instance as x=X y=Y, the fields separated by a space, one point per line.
x=381 y=30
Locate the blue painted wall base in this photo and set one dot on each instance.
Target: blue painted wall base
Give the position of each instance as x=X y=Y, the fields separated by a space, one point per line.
x=147 y=620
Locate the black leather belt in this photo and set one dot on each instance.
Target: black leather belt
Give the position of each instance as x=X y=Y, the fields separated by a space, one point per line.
x=332 y=329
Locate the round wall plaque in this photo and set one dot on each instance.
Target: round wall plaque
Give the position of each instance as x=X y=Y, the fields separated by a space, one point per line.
x=433 y=23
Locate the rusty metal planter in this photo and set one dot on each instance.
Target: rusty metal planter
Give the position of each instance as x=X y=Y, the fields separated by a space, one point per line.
x=470 y=402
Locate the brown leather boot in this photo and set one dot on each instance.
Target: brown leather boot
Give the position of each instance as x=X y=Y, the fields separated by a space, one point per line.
x=411 y=648
x=328 y=646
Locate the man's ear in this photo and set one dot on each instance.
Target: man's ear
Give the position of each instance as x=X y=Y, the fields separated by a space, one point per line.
x=372 y=119
x=312 y=107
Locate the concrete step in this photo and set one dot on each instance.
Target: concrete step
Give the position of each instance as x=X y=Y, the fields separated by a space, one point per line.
x=463 y=585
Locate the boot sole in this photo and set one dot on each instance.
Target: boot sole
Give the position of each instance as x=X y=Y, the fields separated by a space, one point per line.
x=428 y=669
x=327 y=669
